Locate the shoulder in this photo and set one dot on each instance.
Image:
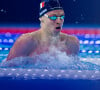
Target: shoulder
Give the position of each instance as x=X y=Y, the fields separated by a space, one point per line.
x=72 y=43
x=27 y=37
x=25 y=41
x=73 y=39
x=63 y=36
x=69 y=37
x=23 y=46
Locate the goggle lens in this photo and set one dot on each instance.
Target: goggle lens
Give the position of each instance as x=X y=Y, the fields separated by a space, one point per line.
x=55 y=17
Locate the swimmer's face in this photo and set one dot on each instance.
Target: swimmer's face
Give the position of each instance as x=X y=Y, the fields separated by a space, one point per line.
x=54 y=20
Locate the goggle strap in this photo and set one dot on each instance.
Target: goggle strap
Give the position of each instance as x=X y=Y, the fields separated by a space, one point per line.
x=46 y=15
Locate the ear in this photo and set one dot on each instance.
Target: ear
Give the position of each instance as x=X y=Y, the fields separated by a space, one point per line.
x=41 y=20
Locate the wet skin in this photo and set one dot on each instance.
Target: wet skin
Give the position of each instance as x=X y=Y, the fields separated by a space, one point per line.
x=42 y=40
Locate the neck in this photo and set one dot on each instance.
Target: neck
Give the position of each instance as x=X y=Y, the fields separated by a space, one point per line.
x=46 y=36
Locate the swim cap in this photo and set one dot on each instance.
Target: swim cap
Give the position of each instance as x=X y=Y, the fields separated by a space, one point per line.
x=49 y=5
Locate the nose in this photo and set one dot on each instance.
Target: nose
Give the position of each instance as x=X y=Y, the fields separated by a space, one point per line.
x=59 y=21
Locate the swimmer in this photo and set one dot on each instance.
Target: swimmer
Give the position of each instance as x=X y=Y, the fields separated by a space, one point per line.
x=51 y=21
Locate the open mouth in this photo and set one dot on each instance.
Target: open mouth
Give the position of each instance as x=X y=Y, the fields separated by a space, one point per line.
x=58 y=27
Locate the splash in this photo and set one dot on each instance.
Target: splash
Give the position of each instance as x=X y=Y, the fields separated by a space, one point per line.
x=54 y=59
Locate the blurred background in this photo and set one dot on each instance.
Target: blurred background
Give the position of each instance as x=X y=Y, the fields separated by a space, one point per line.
x=82 y=20
x=27 y=11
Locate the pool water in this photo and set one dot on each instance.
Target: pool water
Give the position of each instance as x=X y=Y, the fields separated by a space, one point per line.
x=82 y=75
x=6 y=42
x=89 y=57
x=89 y=45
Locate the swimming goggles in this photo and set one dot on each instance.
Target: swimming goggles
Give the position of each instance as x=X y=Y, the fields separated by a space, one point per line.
x=55 y=17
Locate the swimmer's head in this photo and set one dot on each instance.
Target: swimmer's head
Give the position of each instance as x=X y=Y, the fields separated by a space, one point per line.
x=52 y=16
x=49 y=5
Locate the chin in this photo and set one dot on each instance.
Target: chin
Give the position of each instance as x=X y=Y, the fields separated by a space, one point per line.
x=57 y=31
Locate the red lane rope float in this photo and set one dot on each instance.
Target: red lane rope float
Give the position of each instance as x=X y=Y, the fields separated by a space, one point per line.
x=16 y=30
x=65 y=30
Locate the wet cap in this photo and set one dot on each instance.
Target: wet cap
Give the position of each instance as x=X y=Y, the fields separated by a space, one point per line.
x=49 y=5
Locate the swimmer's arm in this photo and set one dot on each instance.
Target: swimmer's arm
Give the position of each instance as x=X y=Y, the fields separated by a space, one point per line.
x=22 y=47
x=73 y=46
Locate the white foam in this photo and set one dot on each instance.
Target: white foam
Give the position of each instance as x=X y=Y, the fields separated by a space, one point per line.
x=54 y=59
x=51 y=66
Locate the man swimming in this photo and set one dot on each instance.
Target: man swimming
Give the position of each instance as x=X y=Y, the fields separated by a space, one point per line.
x=38 y=42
